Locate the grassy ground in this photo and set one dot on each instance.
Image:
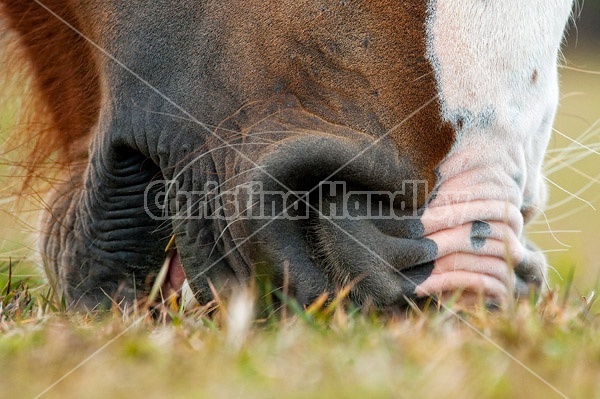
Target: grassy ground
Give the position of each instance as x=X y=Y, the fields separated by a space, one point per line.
x=547 y=350
x=541 y=352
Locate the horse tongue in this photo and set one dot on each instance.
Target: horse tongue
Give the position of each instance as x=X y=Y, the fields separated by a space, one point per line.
x=175 y=276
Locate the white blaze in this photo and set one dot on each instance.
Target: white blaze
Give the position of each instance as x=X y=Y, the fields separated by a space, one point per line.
x=495 y=67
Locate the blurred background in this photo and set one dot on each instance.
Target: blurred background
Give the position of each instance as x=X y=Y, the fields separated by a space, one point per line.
x=568 y=232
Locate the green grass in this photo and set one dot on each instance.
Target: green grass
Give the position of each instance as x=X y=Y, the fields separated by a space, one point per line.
x=528 y=351
x=436 y=354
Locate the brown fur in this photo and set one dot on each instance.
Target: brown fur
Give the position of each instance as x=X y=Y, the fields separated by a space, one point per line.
x=373 y=61
x=65 y=82
x=66 y=79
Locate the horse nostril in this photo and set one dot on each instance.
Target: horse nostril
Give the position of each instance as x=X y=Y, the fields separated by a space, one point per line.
x=357 y=222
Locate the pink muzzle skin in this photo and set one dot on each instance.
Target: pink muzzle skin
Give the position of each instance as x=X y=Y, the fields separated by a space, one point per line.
x=476 y=221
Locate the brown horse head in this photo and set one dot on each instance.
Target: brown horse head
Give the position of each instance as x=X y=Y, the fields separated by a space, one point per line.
x=395 y=147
